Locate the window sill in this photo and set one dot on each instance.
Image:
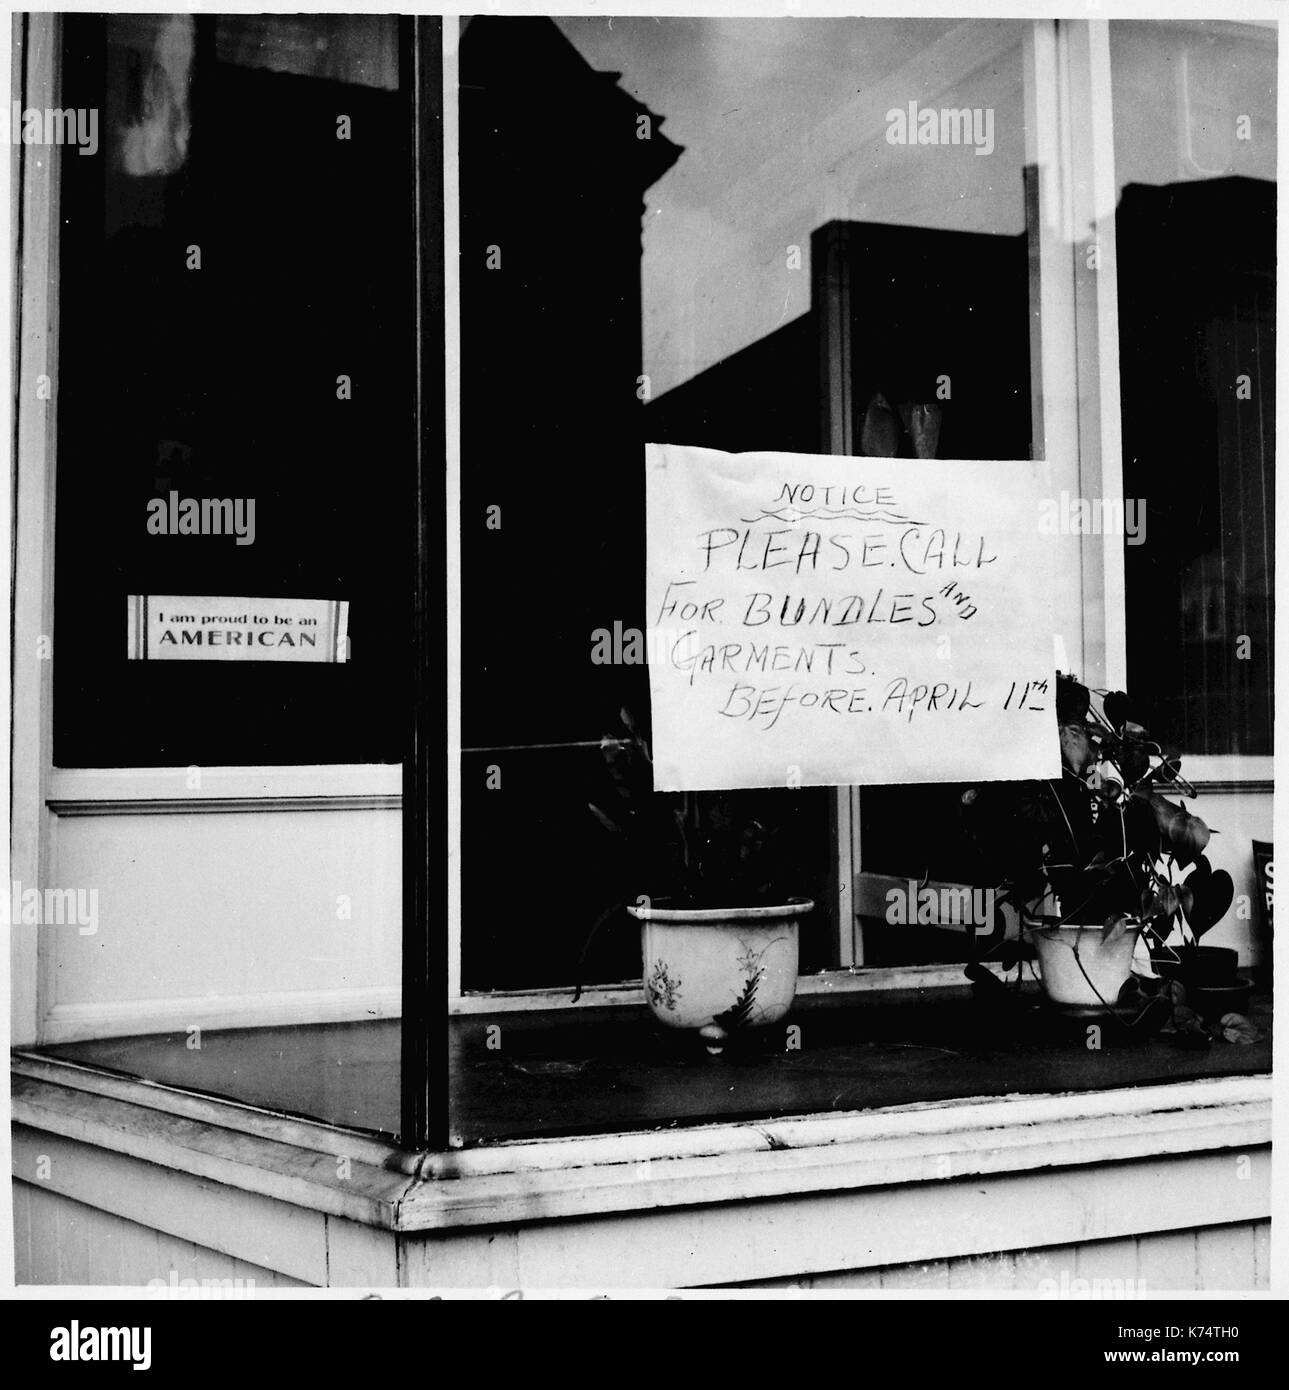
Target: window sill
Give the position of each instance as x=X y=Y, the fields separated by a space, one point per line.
x=103 y=791
x=569 y=1072
x=1247 y=773
x=298 y=1162
x=631 y=994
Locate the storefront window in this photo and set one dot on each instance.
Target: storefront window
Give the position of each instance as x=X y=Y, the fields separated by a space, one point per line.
x=855 y=237
x=1195 y=158
x=764 y=259
x=733 y=242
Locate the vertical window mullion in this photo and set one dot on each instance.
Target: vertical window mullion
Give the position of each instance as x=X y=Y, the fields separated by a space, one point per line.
x=425 y=1096
x=449 y=106
x=832 y=295
x=38 y=40
x=1054 y=338
x=1096 y=309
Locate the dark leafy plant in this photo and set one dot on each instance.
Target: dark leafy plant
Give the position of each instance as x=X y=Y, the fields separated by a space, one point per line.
x=683 y=849
x=1103 y=841
x=1103 y=845
x=693 y=849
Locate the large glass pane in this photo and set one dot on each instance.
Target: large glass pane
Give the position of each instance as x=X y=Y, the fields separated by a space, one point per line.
x=748 y=235
x=238 y=329
x=738 y=244
x=1195 y=158
x=793 y=235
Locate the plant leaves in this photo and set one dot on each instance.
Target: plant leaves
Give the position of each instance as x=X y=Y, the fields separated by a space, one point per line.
x=1201 y=872
x=1188 y=837
x=1116 y=707
x=1213 y=901
x=1236 y=1028
x=1192 y=1040
x=1114 y=928
x=1076 y=748
x=1159 y=899
x=1072 y=700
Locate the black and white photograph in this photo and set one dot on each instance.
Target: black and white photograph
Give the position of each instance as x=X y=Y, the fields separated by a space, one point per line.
x=642 y=665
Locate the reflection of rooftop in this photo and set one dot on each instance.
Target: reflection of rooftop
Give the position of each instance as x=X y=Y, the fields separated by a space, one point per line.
x=1182 y=222
x=527 y=61
x=906 y=309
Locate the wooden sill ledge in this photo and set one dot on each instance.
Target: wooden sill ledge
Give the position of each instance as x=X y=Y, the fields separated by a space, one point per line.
x=297 y=1161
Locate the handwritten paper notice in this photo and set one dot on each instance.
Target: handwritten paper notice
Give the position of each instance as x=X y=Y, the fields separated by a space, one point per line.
x=182 y=627
x=822 y=621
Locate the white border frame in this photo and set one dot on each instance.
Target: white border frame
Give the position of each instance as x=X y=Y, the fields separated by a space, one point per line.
x=35 y=348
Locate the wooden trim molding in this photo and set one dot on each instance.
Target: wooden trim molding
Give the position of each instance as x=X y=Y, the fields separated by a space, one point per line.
x=35 y=325
x=630 y=993
x=1235 y=771
x=207 y=806
x=223 y=1114
x=543 y=1180
x=1249 y=788
x=159 y=790
x=66 y=1023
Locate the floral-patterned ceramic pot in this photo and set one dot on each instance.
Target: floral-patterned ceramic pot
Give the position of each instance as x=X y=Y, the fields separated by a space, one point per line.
x=719 y=970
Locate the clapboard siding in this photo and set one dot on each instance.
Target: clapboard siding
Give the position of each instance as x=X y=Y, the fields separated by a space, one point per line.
x=61 y=1241
x=1233 y=1258
x=158 y=1210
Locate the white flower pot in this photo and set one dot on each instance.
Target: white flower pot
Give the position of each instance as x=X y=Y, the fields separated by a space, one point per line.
x=1083 y=967
x=718 y=970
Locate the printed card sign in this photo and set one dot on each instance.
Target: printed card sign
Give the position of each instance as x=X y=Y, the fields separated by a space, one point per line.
x=821 y=621
x=181 y=627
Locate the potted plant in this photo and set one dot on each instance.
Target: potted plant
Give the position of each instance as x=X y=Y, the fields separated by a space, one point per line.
x=1099 y=859
x=719 y=937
